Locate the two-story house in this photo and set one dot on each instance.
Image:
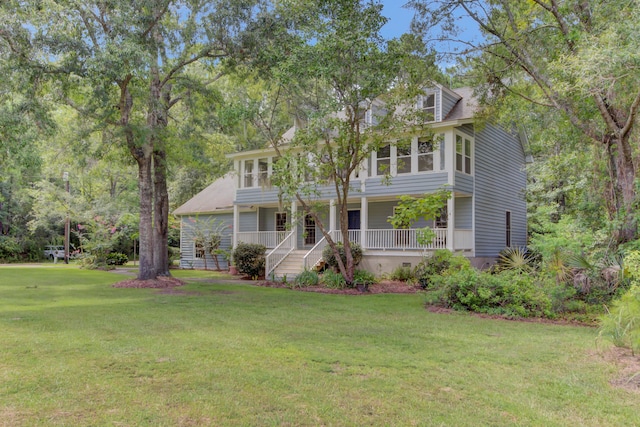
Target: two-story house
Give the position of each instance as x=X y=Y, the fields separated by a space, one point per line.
x=483 y=167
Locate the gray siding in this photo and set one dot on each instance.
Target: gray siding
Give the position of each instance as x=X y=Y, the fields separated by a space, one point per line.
x=267 y=218
x=500 y=183
x=247 y=196
x=248 y=221
x=463 y=213
x=379 y=212
x=448 y=102
x=406 y=184
x=463 y=183
x=192 y=225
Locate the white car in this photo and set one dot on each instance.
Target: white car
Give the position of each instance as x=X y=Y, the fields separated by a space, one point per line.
x=54 y=251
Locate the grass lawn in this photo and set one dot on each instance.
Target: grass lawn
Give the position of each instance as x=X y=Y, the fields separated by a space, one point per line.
x=74 y=351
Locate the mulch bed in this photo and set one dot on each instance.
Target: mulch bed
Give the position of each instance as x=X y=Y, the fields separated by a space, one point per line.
x=158 y=283
x=384 y=287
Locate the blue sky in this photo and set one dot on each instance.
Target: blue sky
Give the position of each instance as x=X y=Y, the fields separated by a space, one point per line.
x=400 y=20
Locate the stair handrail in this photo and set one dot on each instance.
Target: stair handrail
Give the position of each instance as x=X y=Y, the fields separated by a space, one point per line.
x=314 y=255
x=279 y=253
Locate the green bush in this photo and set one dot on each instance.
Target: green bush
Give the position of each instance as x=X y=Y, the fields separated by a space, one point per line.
x=307 y=278
x=117 y=258
x=250 y=259
x=621 y=324
x=363 y=277
x=508 y=293
x=333 y=280
x=9 y=249
x=432 y=266
x=403 y=274
x=329 y=257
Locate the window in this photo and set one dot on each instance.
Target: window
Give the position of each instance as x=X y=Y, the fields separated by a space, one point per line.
x=403 y=159
x=463 y=154
x=248 y=173
x=425 y=154
x=309 y=230
x=198 y=248
x=281 y=221
x=383 y=160
x=263 y=172
x=508 y=229
x=428 y=106
x=441 y=220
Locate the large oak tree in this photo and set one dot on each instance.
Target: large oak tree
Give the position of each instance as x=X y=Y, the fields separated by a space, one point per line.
x=126 y=64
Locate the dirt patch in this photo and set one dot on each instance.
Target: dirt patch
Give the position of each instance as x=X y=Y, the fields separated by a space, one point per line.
x=628 y=367
x=384 y=287
x=158 y=283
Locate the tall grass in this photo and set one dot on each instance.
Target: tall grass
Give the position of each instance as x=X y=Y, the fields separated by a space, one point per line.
x=75 y=351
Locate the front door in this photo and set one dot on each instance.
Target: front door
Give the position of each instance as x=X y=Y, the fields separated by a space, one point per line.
x=354 y=220
x=309 y=230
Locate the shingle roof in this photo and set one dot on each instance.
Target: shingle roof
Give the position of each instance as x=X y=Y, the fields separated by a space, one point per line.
x=465 y=108
x=219 y=196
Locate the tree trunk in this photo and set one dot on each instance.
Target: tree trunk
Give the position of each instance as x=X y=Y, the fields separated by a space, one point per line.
x=161 y=214
x=625 y=189
x=147 y=269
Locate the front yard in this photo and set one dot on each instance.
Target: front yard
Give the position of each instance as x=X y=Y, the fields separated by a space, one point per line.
x=76 y=351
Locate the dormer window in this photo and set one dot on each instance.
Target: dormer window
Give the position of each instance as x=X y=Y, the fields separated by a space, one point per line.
x=427 y=104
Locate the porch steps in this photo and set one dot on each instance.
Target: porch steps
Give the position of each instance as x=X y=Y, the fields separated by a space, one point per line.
x=292 y=265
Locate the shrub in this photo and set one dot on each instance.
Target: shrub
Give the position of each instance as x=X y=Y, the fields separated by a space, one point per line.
x=363 y=277
x=621 y=324
x=307 y=278
x=403 y=274
x=9 y=248
x=333 y=280
x=508 y=293
x=250 y=259
x=517 y=259
x=432 y=266
x=329 y=257
x=117 y=258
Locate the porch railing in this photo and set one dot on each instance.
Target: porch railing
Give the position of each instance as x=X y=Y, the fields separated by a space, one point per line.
x=279 y=253
x=407 y=239
x=269 y=239
x=354 y=236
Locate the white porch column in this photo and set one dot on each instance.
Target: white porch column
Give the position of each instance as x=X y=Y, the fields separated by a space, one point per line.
x=332 y=215
x=451 y=209
x=364 y=221
x=294 y=223
x=236 y=224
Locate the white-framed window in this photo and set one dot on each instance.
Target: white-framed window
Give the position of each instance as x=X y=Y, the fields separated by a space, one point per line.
x=424 y=153
x=281 y=221
x=263 y=172
x=403 y=159
x=427 y=103
x=383 y=160
x=442 y=220
x=248 y=173
x=198 y=249
x=418 y=157
x=463 y=153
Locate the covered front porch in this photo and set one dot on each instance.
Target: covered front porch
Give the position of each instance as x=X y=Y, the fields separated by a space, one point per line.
x=368 y=226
